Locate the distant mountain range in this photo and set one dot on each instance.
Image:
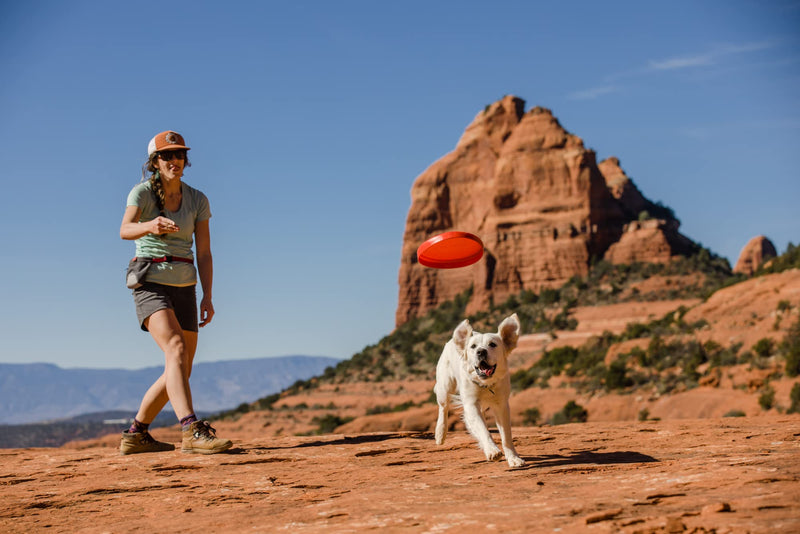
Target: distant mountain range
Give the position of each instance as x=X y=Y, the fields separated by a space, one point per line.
x=39 y=392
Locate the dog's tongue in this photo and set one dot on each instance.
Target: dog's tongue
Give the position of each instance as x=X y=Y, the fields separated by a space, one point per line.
x=487 y=369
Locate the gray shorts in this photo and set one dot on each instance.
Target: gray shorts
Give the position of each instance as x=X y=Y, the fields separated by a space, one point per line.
x=150 y=298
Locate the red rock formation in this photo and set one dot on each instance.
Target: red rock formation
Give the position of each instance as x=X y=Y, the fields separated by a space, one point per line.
x=644 y=239
x=757 y=251
x=536 y=197
x=649 y=241
x=625 y=191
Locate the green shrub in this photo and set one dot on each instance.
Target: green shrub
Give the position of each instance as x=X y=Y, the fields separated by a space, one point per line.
x=788 y=260
x=746 y=356
x=524 y=378
x=794 y=399
x=591 y=357
x=548 y=296
x=557 y=359
x=735 y=413
x=572 y=412
x=265 y=403
x=790 y=347
x=767 y=398
x=563 y=321
x=388 y=408
x=656 y=352
x=328 y=423
x=586 y=361
x=531 y=417
x=616 y=376
x=764 y=347
x=720 y=356
x=375 y=410
x=636 y=331
x=638 y=355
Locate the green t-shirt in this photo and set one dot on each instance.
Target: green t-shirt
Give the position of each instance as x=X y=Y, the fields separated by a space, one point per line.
x=194 y=208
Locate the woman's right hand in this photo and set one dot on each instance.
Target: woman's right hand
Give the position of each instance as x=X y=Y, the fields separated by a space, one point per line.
x=162 y=225
x=132 y=228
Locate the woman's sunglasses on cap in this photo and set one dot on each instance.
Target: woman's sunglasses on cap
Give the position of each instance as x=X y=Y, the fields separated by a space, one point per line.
x=169 y=155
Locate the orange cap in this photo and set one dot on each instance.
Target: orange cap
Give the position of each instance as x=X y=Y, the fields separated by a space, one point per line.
x=168 y=140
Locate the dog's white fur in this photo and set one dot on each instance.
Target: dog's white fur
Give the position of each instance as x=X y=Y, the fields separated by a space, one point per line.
x=460 y=370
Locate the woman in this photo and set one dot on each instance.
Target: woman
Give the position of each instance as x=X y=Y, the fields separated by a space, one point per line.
x=163 y=215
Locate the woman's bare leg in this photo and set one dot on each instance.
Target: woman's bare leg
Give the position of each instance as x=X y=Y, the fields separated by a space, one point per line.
x=156 y=397
x=179 y=347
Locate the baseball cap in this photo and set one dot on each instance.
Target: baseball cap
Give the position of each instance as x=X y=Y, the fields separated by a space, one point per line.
x=168 y=140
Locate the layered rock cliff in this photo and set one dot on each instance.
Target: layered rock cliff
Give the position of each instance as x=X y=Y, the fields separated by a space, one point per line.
x=539 y=201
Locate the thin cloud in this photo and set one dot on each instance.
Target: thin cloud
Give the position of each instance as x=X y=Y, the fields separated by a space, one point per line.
x=708 y=131
x=681 y=62
x=708 y=58
x=747 y=47
x=591 y=94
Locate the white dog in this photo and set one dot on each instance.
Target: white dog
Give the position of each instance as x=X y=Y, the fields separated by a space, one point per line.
x=476 y=366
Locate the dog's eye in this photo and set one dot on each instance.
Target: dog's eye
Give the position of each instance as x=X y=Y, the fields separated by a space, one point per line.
x=492 y=344
x=473 y=346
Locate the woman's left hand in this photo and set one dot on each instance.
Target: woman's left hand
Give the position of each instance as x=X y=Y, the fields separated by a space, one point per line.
x=206 y=311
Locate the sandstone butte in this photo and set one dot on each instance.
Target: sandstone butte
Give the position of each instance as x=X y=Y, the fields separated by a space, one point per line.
x=756 y=252
x=540 y=202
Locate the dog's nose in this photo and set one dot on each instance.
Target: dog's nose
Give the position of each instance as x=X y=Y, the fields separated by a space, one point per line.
x=482 y=353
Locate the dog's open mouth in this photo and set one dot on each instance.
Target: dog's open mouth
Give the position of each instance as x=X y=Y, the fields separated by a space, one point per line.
x=485 y=370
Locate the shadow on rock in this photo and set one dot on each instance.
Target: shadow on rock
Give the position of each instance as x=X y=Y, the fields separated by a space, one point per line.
x=590 y=457
x=354 y=440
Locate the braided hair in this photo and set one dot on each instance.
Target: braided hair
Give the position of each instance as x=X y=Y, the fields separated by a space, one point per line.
x=155 y=180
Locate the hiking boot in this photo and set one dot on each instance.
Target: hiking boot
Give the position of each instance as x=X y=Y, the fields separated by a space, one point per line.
x=200 y=438
x=136 y=442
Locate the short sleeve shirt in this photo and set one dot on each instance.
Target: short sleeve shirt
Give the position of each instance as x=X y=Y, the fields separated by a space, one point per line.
x=194 y=208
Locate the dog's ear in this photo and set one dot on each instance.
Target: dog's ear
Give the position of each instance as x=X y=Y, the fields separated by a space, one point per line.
x=461 y=334
x=509 y=331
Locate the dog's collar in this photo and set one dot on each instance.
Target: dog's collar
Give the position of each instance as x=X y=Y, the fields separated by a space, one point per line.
x=484 y=386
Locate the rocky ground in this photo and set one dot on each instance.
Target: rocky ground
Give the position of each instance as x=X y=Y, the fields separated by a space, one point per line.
x=701 y=475
x=685 y=469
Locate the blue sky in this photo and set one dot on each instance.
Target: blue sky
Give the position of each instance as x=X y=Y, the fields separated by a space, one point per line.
x=309 y=122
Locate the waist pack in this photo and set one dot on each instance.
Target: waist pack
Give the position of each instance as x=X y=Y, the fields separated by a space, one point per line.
x=137 y=270
x=138 y=267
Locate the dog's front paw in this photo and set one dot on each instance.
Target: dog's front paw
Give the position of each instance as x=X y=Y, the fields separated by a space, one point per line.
x=441 y=433
x=493 y=454
x=515 y=461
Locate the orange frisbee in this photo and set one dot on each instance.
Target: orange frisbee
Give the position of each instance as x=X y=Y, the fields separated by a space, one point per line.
x=450 y=250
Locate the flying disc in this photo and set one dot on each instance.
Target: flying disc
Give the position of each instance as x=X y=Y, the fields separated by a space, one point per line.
x=450 y=250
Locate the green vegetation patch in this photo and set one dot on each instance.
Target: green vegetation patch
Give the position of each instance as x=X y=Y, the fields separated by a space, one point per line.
x=788 y=260
x=670 y=360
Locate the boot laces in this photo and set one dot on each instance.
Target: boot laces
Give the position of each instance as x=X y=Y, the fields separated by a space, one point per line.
x=205 y=430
